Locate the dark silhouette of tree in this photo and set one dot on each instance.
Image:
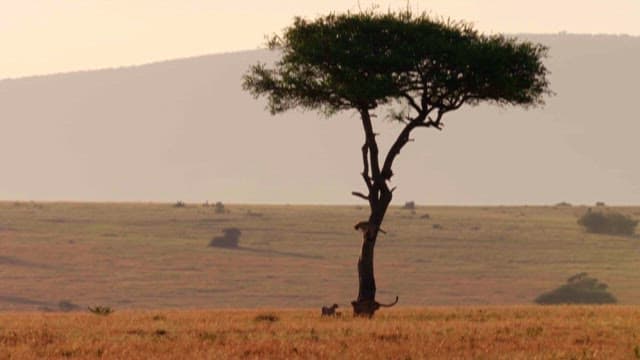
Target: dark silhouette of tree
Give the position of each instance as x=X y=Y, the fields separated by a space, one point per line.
x=365 y=60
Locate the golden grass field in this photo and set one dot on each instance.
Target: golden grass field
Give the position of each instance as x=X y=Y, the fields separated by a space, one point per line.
x=154 y=256
x=491 y=332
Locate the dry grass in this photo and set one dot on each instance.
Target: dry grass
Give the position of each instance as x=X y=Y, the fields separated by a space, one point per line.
x=510 y=332
x=133 y=256
x=155 y=256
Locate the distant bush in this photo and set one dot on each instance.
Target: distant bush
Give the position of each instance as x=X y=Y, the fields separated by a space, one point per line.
x=219 y=208
x=230 y=239
x=563 y=204
x=253 y=214
x=179 y=204
x=425 y=216
x=409 y=205
x=600 y=204
x=437 y=226
x=579 y=289
x=101 y=310
x=612 y=223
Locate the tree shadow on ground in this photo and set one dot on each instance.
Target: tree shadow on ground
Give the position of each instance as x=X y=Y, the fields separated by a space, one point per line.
x=276 y=252
x=231 y=240
x=13 y=261
x=18 y=300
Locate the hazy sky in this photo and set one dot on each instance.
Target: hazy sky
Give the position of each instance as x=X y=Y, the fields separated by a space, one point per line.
x=46 y=36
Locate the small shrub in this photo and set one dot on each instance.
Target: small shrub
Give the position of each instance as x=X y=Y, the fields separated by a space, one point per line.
x=67 y=353
x=611 y=223
x=208 y=336
x=219 y=208
x=101 y=310
x=409 y=205
x=600 y=204
x=179 y=204
x=579 y=289
x=425 y=216
x=230 y=239
x=563 y=204
x=266 y=317
x=253 y=214
x=437 y=226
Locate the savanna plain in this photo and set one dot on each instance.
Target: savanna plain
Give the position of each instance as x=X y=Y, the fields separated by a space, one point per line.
x=466 y=278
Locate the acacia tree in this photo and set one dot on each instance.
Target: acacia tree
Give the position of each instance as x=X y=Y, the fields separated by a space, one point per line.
x=422 y=67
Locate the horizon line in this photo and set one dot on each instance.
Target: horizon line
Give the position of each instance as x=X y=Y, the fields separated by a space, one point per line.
x=233 y=52
x=201 y=203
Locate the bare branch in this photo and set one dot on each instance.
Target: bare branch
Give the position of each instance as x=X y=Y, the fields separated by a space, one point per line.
x=401 y=140
x=370 y=138
x=365 y=164
x=434 y=123
x=360 y=195
x=412 y=102
x=456 y=103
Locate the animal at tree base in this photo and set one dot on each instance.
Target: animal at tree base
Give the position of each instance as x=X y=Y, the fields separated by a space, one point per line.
x=329 y=310
x=368 y=307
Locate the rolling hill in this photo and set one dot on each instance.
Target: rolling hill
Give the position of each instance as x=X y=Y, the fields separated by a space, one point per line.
x=184 y=130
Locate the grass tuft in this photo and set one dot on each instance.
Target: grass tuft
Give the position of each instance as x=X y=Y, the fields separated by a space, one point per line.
x=266 y=317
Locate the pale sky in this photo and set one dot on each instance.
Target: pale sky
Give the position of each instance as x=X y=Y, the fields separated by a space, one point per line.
x=48 y=36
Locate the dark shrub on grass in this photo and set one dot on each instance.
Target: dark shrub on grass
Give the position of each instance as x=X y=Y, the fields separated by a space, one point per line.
x=409 y=205
x=579 y=289
x=612 y=223
x=230 y=239
x=219 y=206
x=101 y=310
x=563 y=204
x=266 y=317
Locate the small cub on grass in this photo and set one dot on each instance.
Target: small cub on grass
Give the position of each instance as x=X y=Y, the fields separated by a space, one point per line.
x=329 y=310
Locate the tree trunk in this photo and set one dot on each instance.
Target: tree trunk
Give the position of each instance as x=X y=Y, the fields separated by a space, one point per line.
x=366 y=304
x=367 y=282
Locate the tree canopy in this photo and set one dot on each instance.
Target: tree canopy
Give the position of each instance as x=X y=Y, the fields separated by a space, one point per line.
x=360 y=61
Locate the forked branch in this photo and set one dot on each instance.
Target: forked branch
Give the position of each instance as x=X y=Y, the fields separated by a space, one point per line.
x=360 y=195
